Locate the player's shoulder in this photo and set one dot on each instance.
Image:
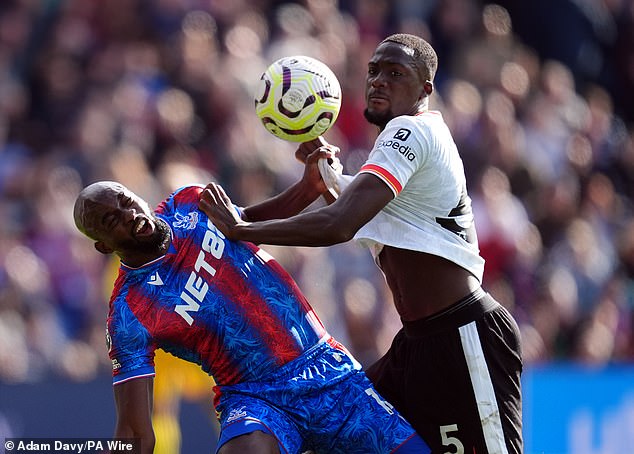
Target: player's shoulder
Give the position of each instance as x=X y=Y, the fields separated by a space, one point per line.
x=118 y=306
x=185 y=196
x=423 y=127
x=420 y=121
x=407 y=129
x=188 y=192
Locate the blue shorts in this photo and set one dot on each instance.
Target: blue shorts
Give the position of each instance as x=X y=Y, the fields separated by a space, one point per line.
x=321 y=401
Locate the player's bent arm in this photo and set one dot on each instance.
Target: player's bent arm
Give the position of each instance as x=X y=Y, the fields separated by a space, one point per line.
x=133 y=402
x=294 y=199
x=288 y=203
x=335 y=223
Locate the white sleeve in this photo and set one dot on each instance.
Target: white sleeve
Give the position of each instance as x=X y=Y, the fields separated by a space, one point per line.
x=398 y=152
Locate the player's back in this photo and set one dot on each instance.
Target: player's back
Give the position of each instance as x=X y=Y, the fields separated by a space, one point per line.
x=225 y=305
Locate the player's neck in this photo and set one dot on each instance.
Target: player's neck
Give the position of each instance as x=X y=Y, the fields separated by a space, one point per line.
x=423 y=106
x=139 y=261
x=138 y=258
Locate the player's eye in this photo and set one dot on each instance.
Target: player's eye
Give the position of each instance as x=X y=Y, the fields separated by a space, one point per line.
x=125 y=200
x=110 y=221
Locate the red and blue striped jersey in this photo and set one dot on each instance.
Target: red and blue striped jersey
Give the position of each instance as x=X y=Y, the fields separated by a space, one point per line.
x=225 y=305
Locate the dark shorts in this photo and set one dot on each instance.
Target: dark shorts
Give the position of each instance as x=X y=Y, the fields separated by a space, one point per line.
x=455 y=377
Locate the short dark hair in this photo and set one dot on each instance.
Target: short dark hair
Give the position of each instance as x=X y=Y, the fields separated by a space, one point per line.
x=424 y=53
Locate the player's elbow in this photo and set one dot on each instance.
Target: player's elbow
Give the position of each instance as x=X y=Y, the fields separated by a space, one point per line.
x=340 y=231
x=345 y=234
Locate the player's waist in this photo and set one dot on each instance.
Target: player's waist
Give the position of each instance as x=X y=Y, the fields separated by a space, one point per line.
x=387 y=229
x=463 y=312
x=327 y=349
x=324 y=363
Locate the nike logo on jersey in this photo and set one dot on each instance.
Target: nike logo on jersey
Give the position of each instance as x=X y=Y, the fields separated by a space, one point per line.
x=155 y=279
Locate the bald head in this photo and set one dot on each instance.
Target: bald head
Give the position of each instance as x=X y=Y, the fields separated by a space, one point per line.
x=91 y=197
x=121 y=222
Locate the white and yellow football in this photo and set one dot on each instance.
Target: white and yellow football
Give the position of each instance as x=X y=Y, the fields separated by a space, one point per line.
x=298 y=98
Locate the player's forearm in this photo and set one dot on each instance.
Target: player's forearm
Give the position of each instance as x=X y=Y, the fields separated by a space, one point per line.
x=146 y=438
x=328 y=225
x=286 y=204
x=315 y=228
x=133 y=401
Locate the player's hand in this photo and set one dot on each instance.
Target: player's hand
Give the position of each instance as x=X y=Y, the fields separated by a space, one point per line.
x=306 y=148
x=312 y=177
x=215 y=203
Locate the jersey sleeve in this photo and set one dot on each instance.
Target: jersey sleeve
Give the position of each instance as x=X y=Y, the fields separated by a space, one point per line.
x=398 y=152
x=130 y=347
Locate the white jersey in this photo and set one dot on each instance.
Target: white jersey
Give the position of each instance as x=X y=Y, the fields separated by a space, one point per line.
x=431 y=212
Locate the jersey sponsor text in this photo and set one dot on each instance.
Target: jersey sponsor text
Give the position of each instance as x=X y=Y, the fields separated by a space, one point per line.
x=196 y=287
x=404 y=150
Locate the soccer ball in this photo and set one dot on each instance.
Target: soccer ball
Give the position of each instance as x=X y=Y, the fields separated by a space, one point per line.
x=298 y=98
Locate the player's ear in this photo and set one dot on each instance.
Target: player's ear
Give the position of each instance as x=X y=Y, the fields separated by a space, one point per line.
x=428 y=87
x=101 y=247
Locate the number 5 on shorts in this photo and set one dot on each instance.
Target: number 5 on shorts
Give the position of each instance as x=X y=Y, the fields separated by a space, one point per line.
x=451 y=441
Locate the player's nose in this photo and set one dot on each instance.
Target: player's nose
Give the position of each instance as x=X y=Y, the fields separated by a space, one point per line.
x=129 y=215
x=378 y=80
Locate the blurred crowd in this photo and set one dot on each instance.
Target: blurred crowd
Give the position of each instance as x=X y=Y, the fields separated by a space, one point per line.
x=159 y=93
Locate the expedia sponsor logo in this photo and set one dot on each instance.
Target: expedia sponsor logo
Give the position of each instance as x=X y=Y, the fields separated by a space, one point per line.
x=404 y=150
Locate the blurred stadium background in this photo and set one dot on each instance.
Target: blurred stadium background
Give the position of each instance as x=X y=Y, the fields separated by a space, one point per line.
x=157 y=94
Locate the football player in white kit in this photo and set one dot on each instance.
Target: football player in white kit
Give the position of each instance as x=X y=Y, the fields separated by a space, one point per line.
x=453 y=370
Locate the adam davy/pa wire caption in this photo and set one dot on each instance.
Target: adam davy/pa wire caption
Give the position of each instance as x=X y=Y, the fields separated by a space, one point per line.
x=72 y=445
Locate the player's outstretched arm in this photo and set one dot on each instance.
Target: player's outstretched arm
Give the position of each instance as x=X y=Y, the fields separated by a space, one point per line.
x=133 y=401
x=297 y=197
x=332 y=224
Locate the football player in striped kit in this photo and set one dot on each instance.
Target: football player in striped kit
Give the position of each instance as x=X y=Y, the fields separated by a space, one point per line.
x=283 y=383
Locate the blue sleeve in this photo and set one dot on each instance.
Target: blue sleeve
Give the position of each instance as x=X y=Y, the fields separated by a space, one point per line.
x=130 y=345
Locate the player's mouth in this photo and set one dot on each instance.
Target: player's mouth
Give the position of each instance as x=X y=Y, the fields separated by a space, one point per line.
x=377 y=99
x=143 y=226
